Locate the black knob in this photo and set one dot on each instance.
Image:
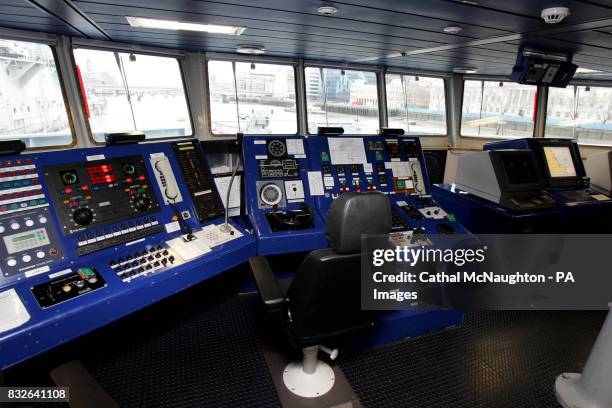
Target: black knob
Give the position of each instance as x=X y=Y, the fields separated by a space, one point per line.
x=83 y=216
x=141 y=202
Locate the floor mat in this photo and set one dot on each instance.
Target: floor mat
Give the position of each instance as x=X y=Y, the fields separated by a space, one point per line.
x=496 y=359
x=209 y=359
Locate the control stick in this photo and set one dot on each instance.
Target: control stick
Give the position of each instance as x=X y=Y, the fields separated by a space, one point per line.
x=225 y=227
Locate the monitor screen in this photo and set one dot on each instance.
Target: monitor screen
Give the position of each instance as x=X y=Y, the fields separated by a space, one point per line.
x=559 y=161
x=520 y=169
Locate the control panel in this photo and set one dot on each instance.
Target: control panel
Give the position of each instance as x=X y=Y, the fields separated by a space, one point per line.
x=280 y=204
x=393 y=165
x=67 y=287
x=90 y=235
x=30 y=243
x=199 y=181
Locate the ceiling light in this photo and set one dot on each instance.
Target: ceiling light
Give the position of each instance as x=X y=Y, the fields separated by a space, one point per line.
x=587 y=71
x=452 y=30
x=465 y=70
x=142 y=22
x=250 y=49
x=327 y=10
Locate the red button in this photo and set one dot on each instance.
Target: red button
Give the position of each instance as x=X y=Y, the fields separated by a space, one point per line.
x=68 y=190
x=85 y=188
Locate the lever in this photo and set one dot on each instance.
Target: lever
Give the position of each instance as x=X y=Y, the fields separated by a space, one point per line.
x=333 y=353
x=225 y=227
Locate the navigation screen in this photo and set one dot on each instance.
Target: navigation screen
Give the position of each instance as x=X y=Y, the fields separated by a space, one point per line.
x=520 y=169
x=559 y=161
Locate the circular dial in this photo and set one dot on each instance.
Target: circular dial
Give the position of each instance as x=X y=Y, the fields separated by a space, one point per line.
x=69 y=177
x=277 y=148
x=129 y=168
x=271 y=194
x=141 y=202
x=83 y=216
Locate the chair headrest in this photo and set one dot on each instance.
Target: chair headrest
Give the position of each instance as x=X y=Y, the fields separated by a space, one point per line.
x=354 y=214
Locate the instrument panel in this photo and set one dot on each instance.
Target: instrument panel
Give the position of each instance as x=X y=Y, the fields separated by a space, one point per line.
x=88 y=195
x=90 y=235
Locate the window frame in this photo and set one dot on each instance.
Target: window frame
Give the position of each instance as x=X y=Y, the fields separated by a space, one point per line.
x=492 y=79
x=376 y=70
x=257 y=60
x=445 y=80
x=179 y=59
x=53 y=46
x=577 y=82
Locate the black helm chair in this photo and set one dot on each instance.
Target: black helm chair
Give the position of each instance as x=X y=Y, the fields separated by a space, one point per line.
x=323 y=302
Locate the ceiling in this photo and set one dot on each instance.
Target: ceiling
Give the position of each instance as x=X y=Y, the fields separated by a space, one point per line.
x=363 y=31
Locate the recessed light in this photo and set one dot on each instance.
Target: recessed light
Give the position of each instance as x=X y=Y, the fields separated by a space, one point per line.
x=250 y=49
x=142 y=22
x=465 y=70
x=453 y=30
x=327 y=10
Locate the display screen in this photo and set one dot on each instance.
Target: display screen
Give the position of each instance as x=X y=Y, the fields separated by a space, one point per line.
x=520 y=169
x=102 y=174
x=26 y=240
x=559 y=161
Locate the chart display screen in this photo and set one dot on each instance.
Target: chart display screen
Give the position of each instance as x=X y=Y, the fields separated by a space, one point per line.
x=559 y=161
x=26 y=240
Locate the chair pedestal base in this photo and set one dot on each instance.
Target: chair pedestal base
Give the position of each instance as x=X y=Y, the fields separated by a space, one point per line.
x=309 y=385
x=311 y=377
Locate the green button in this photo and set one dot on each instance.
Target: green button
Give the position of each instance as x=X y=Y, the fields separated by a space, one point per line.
x=86 y=272
x=324 y=156
x=401 y=185
x=451 y=217
x=379 y=156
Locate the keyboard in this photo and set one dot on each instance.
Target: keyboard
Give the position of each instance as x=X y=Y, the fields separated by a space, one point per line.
x=398 y=223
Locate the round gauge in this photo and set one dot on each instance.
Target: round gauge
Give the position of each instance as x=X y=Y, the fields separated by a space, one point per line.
x=270 y=194
x=277 y=148
x=129 y=168
x=69 y=177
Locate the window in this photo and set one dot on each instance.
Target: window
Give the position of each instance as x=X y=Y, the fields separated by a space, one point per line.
x=338 y=97
x=32 y=105
x=127 y=92
x=583 y=113
x=416 y=104
x=266 y=98
x=497 y=109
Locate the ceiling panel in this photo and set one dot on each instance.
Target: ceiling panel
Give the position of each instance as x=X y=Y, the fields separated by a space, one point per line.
x=375 y=31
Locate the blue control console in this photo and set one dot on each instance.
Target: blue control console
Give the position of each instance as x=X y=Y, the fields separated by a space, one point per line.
x=582 y=210
x=291 y=181
x=91 y=235
x=279 y=202
x=393 y=165
x=558 y=168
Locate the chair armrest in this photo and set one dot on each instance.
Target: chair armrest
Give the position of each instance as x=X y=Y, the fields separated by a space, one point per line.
x=269 y=289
